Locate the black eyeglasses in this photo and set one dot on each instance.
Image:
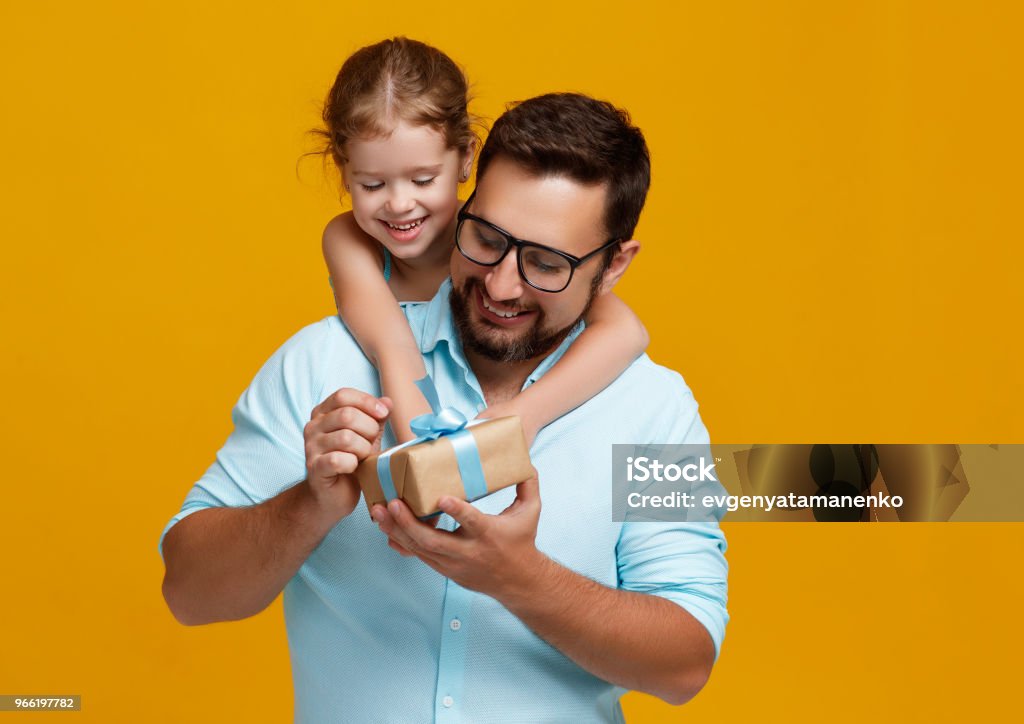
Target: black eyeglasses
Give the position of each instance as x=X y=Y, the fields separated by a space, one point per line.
x=542 y=267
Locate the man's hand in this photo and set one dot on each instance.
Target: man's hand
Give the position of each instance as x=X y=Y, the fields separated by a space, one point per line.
x=492 y=554
x=635 y=640
x=343 y=430
x=227 y=563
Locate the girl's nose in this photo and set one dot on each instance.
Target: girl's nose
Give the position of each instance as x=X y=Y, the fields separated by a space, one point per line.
x=400 y=201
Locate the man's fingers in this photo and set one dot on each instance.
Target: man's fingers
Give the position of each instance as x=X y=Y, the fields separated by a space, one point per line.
x=335 y=453
x=347 y=429
x=392 y=526
x=343 y=441
x=380 y=515
x=399 y=549
x=346 y=418
x=386 y=522
x=415 y=535
x=332 y=464
x=469 y=518
x=527 y=494
x=349 y=397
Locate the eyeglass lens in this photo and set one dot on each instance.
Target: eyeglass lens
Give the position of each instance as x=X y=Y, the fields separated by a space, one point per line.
x=543 y=269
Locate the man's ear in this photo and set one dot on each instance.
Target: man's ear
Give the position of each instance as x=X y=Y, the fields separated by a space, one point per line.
x=620 y=262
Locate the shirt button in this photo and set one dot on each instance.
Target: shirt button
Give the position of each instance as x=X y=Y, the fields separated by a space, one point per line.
x=455 y=624
x=448 y=701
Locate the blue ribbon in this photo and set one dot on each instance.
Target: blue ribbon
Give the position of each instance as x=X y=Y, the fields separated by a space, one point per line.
x=444 y=422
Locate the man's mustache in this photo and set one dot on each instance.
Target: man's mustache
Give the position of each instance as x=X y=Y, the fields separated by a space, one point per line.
x=473 y=284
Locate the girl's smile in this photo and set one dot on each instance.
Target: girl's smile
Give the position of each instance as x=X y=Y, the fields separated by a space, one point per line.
x=404 y=232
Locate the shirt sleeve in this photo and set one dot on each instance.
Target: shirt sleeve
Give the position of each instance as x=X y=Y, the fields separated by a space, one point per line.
x=265 y=453
x=683 y=562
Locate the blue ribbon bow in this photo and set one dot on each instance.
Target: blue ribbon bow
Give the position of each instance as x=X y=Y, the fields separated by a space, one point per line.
x=444 y=422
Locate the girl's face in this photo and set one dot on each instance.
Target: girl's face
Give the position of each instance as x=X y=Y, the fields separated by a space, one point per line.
x=404 y=187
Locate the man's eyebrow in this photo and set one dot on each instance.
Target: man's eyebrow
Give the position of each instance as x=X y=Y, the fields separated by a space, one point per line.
x=435 y=169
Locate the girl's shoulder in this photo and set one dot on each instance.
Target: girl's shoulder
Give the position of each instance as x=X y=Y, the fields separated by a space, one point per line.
x=342 y=237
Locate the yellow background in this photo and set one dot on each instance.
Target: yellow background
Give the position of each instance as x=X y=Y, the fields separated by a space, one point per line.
x=832 y=253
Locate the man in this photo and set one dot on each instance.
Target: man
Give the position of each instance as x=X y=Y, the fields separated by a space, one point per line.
x=516 y=614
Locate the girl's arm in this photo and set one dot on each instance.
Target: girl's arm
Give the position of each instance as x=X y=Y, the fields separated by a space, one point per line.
x=370 y=311
x=614 y=337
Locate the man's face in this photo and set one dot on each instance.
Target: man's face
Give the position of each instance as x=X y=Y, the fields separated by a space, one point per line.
x=501 y=317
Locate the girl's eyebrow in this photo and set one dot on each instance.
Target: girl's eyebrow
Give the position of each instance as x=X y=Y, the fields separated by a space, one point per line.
x=435 y=169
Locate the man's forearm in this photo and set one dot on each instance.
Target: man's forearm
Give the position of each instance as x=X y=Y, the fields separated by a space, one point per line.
x=634 y=640
x=225 y=564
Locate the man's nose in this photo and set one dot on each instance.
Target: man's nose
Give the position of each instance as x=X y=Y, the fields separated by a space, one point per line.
x=503 y=281
x=400 y=200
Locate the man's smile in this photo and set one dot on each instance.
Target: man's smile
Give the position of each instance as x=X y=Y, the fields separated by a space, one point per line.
x=494 y=312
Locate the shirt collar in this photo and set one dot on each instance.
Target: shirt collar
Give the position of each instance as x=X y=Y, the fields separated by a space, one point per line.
x=439 y=326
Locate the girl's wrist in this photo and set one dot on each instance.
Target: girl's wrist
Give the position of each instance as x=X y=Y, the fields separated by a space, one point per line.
x=531 y=426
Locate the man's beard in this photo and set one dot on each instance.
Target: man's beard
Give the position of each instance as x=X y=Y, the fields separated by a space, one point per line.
x=535 y=342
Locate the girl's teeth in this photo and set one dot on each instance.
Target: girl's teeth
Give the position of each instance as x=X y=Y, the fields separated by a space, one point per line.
x=405 y=227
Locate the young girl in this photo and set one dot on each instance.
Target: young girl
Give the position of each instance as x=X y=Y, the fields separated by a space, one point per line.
x=398 y=128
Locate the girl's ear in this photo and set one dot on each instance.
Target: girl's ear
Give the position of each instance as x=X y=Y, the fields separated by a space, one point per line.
x=466 y=161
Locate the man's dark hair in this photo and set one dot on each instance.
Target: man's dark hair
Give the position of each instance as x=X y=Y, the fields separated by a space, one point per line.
x=587 y=140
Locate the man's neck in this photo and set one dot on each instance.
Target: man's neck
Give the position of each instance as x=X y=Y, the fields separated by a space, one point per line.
x=500 y=381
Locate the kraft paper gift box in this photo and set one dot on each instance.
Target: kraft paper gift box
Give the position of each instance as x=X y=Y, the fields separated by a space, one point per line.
x=423 y=472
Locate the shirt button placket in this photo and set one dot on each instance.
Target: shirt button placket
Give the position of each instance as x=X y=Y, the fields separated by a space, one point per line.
x=457 y=602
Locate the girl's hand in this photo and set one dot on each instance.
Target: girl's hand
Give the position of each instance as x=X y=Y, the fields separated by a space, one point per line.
x=508 y=409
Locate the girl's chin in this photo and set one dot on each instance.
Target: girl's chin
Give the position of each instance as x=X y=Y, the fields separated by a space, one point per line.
x=406 y=251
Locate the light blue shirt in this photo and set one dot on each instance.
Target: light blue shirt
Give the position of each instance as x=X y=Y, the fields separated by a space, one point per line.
x=375 y=637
